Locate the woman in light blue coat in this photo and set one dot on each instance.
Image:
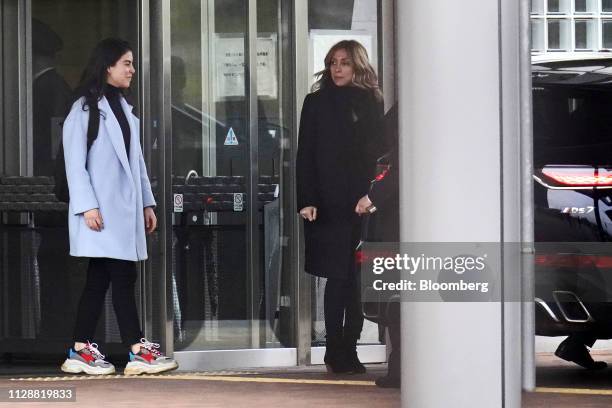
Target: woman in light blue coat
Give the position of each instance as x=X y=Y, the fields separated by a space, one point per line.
x=111 y=206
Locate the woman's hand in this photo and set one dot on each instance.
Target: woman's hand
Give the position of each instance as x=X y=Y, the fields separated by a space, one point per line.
x=364 y=206
x=93 y=219
x=309 y=213
x=150 y=219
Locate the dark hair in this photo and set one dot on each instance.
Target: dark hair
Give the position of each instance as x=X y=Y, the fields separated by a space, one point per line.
x=93 y=80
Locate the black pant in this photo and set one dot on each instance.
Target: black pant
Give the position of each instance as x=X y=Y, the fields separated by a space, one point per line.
x=395 y=359
x=101 y=272
x=342 y=309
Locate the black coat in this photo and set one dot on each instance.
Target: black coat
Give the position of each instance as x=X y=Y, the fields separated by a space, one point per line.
x=384 y=193
x=341 y=136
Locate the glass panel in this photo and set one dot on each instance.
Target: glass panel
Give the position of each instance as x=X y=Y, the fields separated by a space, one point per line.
x=210 y=143
x=329 y=24
x=214 y=288
x=45 y=283
x=606 y=26
x=580 y=6
x=606 y=6
x=558 y=35
x=274 y=106
x=558 y=6
x=585 y=6
x=537 y=35
x=553 y=6
x=537 y=6
x=585 y=32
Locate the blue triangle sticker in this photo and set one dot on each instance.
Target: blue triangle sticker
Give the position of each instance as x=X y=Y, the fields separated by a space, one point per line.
x=231 y=139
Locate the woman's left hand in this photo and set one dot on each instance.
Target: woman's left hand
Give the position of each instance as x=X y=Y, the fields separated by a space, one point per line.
x=150 y=220
x=364 y=205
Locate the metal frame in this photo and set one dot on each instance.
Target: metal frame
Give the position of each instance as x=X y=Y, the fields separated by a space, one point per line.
x=12 y=41
x=252 y=227
x=303 y=282
x=25 y=87
x=386 y=40
x=526 y=180
x=144 y=77
x=232 y=359
x=160 y=126
x=2 y=34
x=207 y=16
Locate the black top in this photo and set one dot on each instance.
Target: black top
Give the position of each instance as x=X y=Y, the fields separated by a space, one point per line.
x=113 y=95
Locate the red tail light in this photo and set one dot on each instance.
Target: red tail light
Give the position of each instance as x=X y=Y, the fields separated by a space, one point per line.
x=368 y=255
x=574 y=261
x=579 y=176
x=360 y=257
x=382 y=175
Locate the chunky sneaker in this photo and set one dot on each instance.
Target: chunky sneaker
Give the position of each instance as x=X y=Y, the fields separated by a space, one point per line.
x=149 y=360
x=89 y=360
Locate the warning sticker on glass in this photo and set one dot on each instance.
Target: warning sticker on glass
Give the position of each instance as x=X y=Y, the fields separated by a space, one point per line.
x=178 y=203
x=238 y=202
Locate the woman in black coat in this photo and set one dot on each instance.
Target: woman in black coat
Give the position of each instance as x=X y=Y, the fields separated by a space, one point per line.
x=341 y=136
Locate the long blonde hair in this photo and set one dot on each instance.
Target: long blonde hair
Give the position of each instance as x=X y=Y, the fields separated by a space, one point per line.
x=364 y=74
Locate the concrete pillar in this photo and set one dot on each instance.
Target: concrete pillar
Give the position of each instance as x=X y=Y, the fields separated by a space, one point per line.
x=459 y=99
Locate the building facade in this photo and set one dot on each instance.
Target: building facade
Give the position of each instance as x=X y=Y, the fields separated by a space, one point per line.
x=571 y=25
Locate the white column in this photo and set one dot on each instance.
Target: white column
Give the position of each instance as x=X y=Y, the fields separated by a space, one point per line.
x=458 y=75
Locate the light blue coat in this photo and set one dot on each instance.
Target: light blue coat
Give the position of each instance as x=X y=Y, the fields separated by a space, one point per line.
x=106 y=180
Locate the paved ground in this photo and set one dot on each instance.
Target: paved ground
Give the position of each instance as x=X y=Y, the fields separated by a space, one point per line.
x=560 y=385
x=565 y=385
x=299 y=387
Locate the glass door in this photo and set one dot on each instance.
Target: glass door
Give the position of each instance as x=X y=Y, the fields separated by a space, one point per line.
x=228 y=290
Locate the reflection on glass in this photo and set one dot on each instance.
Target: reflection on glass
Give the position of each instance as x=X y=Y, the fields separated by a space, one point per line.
x=558 y=34
x=580 y=6
x=218 y=302
x=554 y=6
x=537 y=35
x=537 y=6
x=606 y=6
x=585 y=34
x=558 y=6
x=606 y=26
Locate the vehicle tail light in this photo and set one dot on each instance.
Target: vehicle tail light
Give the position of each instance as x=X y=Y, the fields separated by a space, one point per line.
x=574 y=176
x=382 y=174
x=574 y=261
x=360 y=257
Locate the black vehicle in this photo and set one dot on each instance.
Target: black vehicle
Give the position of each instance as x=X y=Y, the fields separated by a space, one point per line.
x=572 y=159
x=572 y=142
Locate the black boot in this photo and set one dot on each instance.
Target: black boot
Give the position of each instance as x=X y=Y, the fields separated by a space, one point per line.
x=352 y=360
x=335 y=359
x=578 y=353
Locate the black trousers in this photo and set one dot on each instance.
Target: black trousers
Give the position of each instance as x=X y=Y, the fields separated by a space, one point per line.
x=395 y=357
x=342 y=310
x=100 y=274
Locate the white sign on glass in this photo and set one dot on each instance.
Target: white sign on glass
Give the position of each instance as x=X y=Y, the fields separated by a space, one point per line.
x=230 y=63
